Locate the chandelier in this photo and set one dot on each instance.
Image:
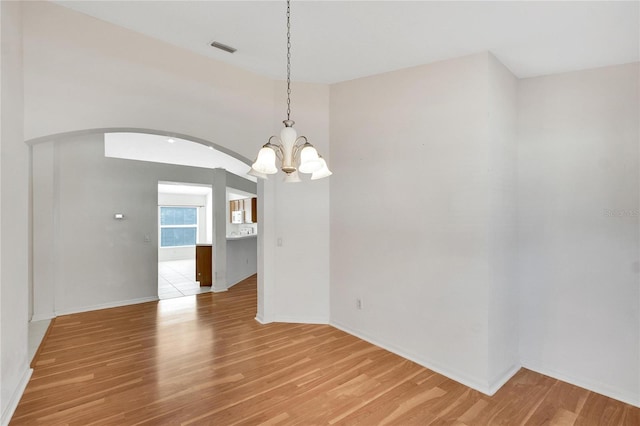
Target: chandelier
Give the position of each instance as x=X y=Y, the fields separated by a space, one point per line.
x=294 y=152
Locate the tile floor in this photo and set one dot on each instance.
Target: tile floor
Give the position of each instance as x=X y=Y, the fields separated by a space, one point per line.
x=177 y=278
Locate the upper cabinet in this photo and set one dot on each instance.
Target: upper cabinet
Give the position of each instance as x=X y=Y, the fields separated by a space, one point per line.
x=243 y=211
x=236 y=214
x=250 y=210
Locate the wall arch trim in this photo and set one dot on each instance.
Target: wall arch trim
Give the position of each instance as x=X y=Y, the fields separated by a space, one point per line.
x=42 y=139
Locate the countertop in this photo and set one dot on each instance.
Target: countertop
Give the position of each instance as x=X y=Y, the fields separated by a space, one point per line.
x=241 y=237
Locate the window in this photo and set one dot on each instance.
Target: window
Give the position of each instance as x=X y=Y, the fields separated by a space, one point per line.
x=178 y=226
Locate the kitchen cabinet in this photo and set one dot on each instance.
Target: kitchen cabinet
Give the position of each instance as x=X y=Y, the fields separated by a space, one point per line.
x=243 y=211
x=235 y=206
x=250 y=210
x=254 y=210
x=204 y=261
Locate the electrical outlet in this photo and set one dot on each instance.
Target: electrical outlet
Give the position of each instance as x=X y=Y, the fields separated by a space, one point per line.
x=358 y=303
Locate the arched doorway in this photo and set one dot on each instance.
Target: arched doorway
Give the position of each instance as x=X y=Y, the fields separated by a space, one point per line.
x=92 y=233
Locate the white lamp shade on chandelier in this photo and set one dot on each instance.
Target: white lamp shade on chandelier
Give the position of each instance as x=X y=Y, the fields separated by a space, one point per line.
x=254 y=172
x=295 y=153
x=266 y=162
x=322 y=172
x=309 y=160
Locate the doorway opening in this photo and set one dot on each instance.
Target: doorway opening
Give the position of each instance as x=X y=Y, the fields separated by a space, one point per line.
x=185 y=220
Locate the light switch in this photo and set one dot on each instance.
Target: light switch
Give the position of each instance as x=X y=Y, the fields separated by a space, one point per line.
x=279 y=242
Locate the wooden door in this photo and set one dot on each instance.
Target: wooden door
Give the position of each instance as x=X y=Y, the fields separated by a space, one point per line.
x=203 y=265
x=254 y=210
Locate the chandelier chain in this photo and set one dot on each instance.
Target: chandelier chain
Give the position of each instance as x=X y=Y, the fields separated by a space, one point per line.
x=294 y=152
x=288 y=60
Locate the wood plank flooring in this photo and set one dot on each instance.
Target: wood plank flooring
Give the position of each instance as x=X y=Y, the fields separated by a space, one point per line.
x=201 y=360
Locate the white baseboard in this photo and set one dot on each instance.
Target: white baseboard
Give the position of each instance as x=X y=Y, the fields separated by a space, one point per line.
x=42 y=317
x=15 y=397
x=294 y=320
x=302 y=320
x=106 y=305
x=240 y=280
x=218 y=290
x=504 y=378
x=594 y=386
x=447 y=372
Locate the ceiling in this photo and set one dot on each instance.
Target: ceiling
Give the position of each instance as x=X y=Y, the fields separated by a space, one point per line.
x=171 y=150
x=334 y=41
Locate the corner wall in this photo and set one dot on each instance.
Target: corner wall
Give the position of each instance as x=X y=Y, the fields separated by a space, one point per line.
x=419 y=169
x=578 y=229
x=504 y=359
x=14 y=216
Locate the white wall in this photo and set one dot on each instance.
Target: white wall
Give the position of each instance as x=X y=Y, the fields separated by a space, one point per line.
x=504 y=358
x=578 y=228
x=78 y=76
x=242 y=259
x=266 y=251
x=219 y=264
x=44 y=179
x=14 y=217
x=418 y=173
x=301 y=222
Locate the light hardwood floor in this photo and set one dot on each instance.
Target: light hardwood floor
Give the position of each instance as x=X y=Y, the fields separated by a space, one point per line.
x=203 y=359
